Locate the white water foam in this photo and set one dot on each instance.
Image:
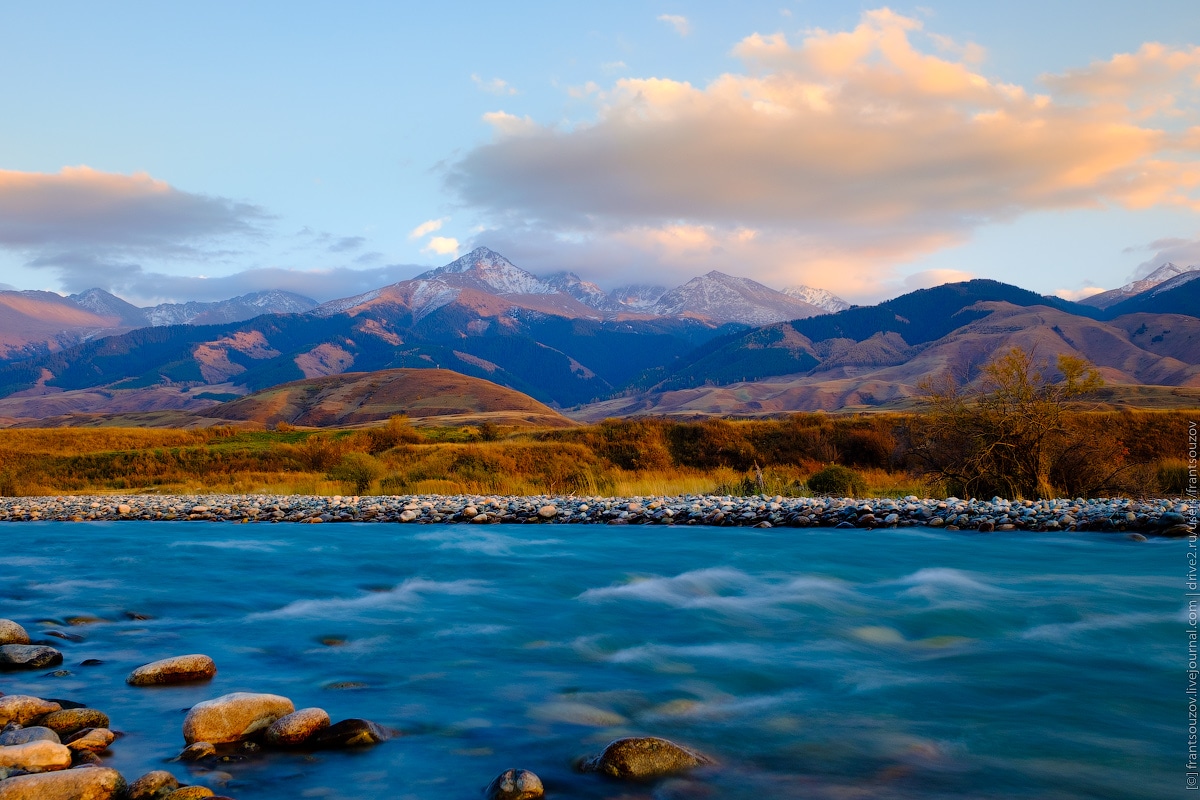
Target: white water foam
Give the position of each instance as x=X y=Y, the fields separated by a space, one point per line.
x=722 y=589
x=233 y=544
x=486 y=542
x=407 y=594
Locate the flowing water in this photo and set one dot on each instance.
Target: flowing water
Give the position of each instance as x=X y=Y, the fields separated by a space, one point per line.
x=818 y=664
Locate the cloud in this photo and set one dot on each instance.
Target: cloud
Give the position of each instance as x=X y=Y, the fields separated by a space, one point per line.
x=442 y=245
x=928 y=278
x=1076 y=295
x=80 y=221
x=142 y=287
x=347 y=243
x=427 y=227
x=851 y=153
x=1182 y=252
x=494 y=86
x=678 y=22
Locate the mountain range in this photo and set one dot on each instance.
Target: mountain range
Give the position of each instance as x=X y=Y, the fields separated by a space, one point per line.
x=716 y=344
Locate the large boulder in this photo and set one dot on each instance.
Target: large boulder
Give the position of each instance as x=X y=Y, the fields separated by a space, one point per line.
x=178 y=669
x=92 y=783
x=153 y=786
x=349 y=733
x=73 y=720
x=23 y=709
x=37 y=756
x=644 y=757
x=12 y=633
x=232 y=717
x=28 y=656
x=297 y=727
x=15 y=734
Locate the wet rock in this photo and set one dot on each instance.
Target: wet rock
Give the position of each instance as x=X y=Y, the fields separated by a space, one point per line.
x=72 y=720
x=95 y=740
x=297 y=727
x=189 y=793
x=153 y=786
x=233 y=716
x=23 y=709
x=37 y=756
x=84 y=758
x=644 y=757
x=28 y=656
x=197 y=751
x=349 y=733
x=15 y=734
x=12 y=633
x=93 y=783
x=1137 y=537
x=179 y=669
x=515 y=784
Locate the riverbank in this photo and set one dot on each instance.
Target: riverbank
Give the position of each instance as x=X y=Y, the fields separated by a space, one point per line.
x=1148 y=517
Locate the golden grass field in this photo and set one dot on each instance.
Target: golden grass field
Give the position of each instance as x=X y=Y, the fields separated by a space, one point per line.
x=613 y=458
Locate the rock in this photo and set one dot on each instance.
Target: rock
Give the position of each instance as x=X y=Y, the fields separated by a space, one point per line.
x=233 y=716
x=72 y=720
x=349 y=733
x=92 y=783
x=15 y=734
x=96 y=740
x=197 y=750
x=179 y=669
x=644 y=757
x=189 y=793
x=12 y=633
x=545 y=512
x=1137 y=537
x=83 y=758
x=297 y=727
x=37 y=756
x=153 y=786
x=23 y=709
x=28 y=656
x=515 y=784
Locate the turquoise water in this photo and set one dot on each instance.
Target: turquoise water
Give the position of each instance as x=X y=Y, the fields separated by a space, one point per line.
x=816 y=664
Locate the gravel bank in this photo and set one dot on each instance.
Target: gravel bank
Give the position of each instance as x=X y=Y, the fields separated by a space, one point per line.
x=1161 y=517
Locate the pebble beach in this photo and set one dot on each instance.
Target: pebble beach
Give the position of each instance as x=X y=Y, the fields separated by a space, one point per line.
x=1147 y=517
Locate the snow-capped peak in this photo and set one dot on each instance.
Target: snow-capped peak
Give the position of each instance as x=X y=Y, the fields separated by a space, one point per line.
x=725 y=298
x=491 y=272
x=821 y=298
x=1164 y=273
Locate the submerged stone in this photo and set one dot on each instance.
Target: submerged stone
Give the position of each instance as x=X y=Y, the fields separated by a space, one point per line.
x=515 y=784
x=643 y=757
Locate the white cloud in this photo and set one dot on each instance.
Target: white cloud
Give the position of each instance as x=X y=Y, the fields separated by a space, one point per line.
x=851 y=153
x=441 y=245
x=493 y=86
x=427 y=227
x=82 y=223
x=1077 y=294
x=678 y=22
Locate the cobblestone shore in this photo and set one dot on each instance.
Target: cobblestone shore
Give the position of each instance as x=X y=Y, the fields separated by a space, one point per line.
x=1157 y=517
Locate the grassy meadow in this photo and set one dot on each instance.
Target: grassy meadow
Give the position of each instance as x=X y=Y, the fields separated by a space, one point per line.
x=1135 y=453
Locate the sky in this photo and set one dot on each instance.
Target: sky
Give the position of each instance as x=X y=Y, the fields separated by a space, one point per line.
x=198 y=151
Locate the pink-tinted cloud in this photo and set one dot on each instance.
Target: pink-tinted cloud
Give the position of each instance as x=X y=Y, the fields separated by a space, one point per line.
x=848 y=153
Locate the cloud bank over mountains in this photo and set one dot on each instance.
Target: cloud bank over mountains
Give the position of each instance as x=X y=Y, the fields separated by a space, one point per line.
x=839 y=154
x=836 y=159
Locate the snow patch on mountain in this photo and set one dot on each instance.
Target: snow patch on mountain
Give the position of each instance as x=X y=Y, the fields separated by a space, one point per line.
x=725 y=298
x=821 y=298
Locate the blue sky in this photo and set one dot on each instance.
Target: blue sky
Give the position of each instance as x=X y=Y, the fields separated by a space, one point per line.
x=197 y=151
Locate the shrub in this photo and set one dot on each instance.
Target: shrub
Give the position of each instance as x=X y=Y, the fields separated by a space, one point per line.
x=359 y=469
x=837 y=480
x=1174 y=477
